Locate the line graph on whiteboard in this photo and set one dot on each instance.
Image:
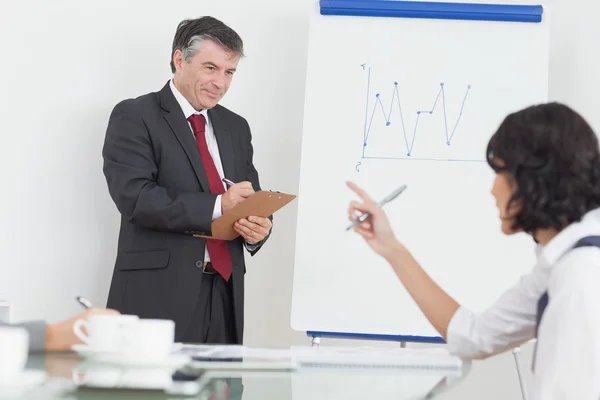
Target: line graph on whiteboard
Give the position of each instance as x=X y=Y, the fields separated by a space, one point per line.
x=429 y=122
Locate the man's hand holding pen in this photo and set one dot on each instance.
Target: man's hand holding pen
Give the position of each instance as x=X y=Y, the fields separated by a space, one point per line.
x=252 y=229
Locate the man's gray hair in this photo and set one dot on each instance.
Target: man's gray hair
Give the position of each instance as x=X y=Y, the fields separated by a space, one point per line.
x=192 y=32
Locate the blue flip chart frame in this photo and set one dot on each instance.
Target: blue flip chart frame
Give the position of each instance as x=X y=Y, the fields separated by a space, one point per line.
x=377 y=337
x=430 y=10
x=435 y=10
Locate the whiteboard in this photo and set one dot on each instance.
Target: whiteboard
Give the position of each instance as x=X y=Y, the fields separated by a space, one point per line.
x=393 y=101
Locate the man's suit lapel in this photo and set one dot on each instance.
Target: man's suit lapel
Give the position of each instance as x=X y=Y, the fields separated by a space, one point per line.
x=176 y=120
x=223 y=135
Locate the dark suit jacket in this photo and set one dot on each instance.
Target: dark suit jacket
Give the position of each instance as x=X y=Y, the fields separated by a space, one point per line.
x=156 y=178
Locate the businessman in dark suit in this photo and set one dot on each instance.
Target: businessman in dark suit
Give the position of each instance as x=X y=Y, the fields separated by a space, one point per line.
x=166 y=154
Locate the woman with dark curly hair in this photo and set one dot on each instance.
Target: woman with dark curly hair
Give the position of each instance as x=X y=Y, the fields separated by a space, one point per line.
x=547 y=184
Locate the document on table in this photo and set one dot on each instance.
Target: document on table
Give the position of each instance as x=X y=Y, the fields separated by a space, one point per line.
x=368 y=357
x=238 y=357
x=242 y=357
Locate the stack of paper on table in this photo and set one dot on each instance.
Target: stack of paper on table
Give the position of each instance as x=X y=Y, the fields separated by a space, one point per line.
x=238 y=357
x=367 y=357
x=242 y=357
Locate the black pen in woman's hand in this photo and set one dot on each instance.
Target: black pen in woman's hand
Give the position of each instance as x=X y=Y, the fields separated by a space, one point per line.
x=84 y=302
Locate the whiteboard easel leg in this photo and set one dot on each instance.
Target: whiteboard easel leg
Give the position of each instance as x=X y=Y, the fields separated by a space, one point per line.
x=316 y=341
x=517 y=354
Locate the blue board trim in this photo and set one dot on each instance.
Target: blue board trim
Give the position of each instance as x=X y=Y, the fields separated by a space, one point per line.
x=435 y=10
x=370 y=336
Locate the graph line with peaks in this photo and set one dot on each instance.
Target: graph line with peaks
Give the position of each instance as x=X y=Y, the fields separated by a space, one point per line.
x=449 y=133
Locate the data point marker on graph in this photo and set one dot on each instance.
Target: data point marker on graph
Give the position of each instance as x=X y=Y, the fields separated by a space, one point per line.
x=407 y=132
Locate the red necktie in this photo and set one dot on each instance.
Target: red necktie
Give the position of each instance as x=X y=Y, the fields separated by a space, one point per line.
x=218 y=250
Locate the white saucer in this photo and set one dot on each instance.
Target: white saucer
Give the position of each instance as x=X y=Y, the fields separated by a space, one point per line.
x=118 y=359
x=27 y=379
x=89 y=352
x=174 y=361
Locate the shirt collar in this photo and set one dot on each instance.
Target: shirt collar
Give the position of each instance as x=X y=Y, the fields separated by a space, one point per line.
x=549 y=254
x=186 y=107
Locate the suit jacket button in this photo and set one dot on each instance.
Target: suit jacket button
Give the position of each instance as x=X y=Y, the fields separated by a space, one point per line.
x=199 y=264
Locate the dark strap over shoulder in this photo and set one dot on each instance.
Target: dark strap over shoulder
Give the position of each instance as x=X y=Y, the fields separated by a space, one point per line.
x=588 y=241
x=541 y=307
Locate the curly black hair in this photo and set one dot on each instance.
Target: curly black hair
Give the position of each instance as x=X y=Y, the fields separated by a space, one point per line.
x=551 y=153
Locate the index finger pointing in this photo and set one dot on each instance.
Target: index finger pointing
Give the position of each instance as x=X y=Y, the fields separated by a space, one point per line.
x=361 y=193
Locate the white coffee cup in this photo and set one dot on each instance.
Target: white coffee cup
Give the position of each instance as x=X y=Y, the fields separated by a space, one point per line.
x=150 y=339
x=104 y=332
x=14 y=348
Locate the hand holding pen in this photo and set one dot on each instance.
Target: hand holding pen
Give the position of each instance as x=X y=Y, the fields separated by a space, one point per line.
x=253 y=229
x=370 y=221
x=60 y=336
x=235 y=194
x=228 y=182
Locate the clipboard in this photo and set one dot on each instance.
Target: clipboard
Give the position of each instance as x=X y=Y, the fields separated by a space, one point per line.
x=261 y=204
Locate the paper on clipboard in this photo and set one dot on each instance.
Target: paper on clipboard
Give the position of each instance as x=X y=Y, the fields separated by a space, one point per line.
x=261 y=204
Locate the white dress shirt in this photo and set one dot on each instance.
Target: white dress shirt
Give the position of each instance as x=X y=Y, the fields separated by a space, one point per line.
x=567 y=364
x=211 y=142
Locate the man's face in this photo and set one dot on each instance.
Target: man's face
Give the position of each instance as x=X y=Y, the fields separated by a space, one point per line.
x=205 y=79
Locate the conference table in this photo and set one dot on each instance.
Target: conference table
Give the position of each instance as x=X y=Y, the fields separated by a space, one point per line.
x=62 y=374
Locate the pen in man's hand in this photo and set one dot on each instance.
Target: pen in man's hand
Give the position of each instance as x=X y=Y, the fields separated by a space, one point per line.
x=228 y=182
x=84 y=302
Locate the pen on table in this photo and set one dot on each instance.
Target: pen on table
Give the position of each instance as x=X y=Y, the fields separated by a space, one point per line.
x=84 y=302
x=389 y=198
x=228 y=182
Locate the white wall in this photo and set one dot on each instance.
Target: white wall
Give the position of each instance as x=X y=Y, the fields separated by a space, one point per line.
x=66 y=63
